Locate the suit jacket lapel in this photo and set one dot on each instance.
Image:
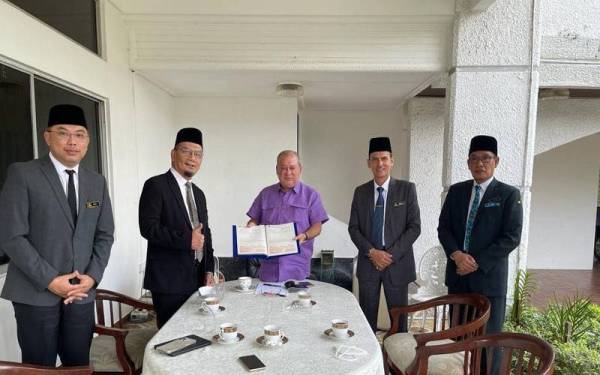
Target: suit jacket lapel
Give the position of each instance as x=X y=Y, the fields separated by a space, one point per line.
x=389 y=201
x=172 y=182
x=82 y=194
x=370 y=208
x=50 y=173
x=466 y=197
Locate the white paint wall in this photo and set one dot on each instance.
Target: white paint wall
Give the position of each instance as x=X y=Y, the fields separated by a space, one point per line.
x=242 y=137
x=563 y=207
x=334 y=149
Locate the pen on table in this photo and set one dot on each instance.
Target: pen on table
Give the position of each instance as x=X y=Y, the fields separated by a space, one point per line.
x=275 y=285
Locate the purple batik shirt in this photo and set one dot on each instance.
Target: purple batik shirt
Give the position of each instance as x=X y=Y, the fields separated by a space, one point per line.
x=301 y=205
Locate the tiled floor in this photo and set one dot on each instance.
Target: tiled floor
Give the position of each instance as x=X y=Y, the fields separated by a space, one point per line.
x=566 y=283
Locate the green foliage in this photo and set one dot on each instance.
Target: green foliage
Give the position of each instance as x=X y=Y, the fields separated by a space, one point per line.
x=571 y=326
x=524 y=289
x=570 y=319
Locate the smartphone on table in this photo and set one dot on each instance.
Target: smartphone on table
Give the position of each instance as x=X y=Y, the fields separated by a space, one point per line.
x=252 y=363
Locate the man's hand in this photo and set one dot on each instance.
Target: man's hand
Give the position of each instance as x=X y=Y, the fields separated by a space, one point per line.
x=381 y=259
x=465 y=263
x=60 y=284
x=251 y=223
x=197 y=238
x=86 y=283
x=302 y=237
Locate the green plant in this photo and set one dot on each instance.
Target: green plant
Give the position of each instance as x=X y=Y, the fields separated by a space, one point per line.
x=570 y=319
x=525 y=286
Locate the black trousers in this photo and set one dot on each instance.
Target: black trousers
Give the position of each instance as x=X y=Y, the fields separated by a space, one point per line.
x=167 y=304
x=368 y=295
x=44 y=332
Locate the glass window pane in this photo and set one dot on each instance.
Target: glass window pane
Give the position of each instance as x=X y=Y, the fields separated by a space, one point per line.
x=16 y=140
x=16 y=136
x=74 y=18
x=48 y=95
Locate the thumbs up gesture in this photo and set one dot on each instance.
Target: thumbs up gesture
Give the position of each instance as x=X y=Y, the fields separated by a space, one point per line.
x=197 y=238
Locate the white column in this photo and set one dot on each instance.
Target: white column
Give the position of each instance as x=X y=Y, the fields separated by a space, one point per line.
x=493 y=90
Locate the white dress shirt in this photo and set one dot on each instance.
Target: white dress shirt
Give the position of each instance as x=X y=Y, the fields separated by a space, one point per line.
x=181 y=181
x=64 y=177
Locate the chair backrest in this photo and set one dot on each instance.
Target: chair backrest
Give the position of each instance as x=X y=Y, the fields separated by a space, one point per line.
x=12 y=368
x=432 y=271
x=520 y=354
x=455 y=317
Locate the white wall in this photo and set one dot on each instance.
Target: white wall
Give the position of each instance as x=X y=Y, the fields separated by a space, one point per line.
x=30 y=44
x=563 y=206
x=334 y=149
x=242 y=137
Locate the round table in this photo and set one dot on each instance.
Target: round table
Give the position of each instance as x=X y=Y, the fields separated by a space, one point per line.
x=308 y=351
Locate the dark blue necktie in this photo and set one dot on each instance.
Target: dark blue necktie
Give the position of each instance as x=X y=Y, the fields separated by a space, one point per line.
x=377 y=232
x=71 y=195
x=471 y=218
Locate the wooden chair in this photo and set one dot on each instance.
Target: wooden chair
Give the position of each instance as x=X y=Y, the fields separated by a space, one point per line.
x=118 y=350
x=455 y=317
x=520 y=354
x=12 y=368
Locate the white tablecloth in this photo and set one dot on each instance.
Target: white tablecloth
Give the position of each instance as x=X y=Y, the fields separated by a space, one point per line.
x=308 y=350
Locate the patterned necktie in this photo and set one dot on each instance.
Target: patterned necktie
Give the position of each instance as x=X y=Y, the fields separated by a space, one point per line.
x=71 y=195
x=377 y=230
x=471 y=218
x=193 y=215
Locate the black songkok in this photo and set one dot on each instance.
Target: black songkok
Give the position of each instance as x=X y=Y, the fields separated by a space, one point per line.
x=483 y=143
x=379 y=144
x=189 y=135
x=66 y=114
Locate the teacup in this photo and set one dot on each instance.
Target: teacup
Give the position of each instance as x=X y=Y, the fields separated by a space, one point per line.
x=228 y=332
x=273 y=334
x=245 y=282
x=304 y=298
x=212 y=303
x=339 y=328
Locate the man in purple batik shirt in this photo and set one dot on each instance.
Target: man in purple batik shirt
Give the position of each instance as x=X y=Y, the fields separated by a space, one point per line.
x=289 y=201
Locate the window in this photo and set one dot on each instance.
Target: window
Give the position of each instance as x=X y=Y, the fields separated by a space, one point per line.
x=74 y=18
x=18 y=139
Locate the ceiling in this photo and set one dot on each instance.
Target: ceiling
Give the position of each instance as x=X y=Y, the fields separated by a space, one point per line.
x=347 y=56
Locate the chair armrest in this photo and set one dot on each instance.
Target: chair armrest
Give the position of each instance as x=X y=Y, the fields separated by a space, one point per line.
x=103 y=294
x=117 y=333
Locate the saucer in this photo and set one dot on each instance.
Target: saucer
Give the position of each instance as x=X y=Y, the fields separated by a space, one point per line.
x=219 y=340
x=205 y=311
x=252 y=289
x=329 y=333
x=261 y=341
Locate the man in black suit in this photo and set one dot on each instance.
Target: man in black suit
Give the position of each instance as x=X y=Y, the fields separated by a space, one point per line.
x=174 y=220
x=56 y=224
x=480 y=225
x=384 y=223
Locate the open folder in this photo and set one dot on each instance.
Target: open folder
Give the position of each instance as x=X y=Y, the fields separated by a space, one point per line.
x=265 y=240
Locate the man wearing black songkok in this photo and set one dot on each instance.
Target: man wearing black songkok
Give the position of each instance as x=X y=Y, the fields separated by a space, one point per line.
x=384 y=224
x=479 y=226
x=56 y=225
x=174 y=220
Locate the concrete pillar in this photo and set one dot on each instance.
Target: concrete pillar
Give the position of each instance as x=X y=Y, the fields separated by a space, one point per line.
x=493 y=90
x=426 y=118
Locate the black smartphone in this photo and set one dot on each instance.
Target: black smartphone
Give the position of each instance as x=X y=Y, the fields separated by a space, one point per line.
x=252 y=363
